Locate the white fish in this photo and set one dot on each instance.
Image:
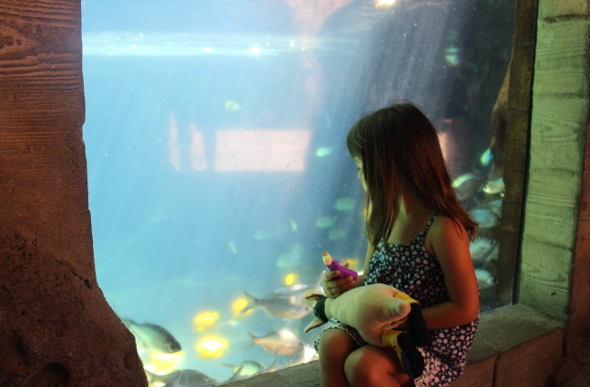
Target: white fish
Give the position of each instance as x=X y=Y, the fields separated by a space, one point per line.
x=344 y=204
x=232 y=247
x=336 y=233
x=325 y=221
x=485 y=279
x=495 y=206
x=278 y=305
x=480 y=247
x=486 y=157
x=283 y=342
x=287 y=261
x=245 y=370
x=484 y=217
x=495 y=186
x=468 y=185
x=324 y=151
x=288 y=302
x=182 y=378
x=305 y=355
x=262 y=234
x=301 y=290
x=152 y=336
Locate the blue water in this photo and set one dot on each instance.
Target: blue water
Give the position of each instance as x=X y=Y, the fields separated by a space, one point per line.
x=174 y=233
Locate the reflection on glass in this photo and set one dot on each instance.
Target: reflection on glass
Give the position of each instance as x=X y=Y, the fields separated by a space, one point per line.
x=218 y=173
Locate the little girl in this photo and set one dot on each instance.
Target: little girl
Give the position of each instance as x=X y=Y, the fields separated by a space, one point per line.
x=418 y=238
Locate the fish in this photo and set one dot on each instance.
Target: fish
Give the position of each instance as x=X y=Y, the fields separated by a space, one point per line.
x=452 y=56
x=291 y=279
x=205 y=320
x=485 y=279
x=153 y=336
x=344 y=204
x=484 y=217
x=262 y=235
x=495 y=206
x=161 y=362
x=486 y=157
x=325 y=221
x=245 y=370
x=231 y=106
x=278 y=305
x=494 y=187
x=287 y=302
x=232 y=247
x=480 y=247
x=281 y=342
x=238 y=305
x=304 y=355
x=301 y=290
x=292 y=259
x=468 y=185
x=336 y=233
x=324 y=151
x=182 y=378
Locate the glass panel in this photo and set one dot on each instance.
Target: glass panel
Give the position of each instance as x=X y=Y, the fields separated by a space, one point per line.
x=217 y=166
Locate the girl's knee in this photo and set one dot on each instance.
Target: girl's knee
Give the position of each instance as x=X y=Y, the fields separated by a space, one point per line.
x=370 y=366
x=359 y=367
x=334 y=347
x=335 y=343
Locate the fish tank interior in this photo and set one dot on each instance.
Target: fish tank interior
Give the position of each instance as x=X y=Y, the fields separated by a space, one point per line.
x=218 y=173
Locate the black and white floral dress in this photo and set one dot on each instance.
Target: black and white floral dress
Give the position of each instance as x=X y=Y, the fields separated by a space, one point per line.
x=414 y=271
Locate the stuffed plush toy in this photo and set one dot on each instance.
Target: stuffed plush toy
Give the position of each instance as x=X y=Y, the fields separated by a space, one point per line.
x=383 y=316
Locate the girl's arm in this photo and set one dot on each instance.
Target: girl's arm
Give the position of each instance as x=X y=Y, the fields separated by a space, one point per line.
x=450 y=243
x=334 y=288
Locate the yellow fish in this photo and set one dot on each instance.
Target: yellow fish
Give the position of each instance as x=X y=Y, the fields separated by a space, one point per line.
x=291 y=279
x=238 y=305
x=353 y=263
x=205 y=320
x=231 y=106
x=211 y=347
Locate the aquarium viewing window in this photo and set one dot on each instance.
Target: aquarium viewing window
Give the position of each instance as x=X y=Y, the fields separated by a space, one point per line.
x=217 y=167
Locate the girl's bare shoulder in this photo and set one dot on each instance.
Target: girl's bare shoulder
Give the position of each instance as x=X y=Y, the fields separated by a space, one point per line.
x=445 y=230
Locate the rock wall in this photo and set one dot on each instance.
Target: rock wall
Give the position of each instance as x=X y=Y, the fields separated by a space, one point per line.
x=56 y=328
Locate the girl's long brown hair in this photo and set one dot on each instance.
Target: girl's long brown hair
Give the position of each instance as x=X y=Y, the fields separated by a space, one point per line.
x=398 y=146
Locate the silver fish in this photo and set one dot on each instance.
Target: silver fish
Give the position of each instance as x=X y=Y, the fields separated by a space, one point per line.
x=336 y=233
x=245 y=370
x=344 y=204
x=281 y=343
x=278 y=305
x=153 y=336
x=304 y=355
x=325 y=221
x=494 y=187
x=287 y=302
x=468 y=185
x=301 y=290
x=182 y=378
x=495 y=206
x=480 y=247
x=484 y=217
x=485 y=279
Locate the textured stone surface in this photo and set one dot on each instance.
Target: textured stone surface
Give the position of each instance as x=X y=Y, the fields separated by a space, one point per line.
x=56 y=328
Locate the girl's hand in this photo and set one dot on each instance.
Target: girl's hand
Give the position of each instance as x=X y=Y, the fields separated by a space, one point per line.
x=334 y=288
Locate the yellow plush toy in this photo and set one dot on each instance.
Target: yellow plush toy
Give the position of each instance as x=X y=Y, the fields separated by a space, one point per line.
x=383 y=316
